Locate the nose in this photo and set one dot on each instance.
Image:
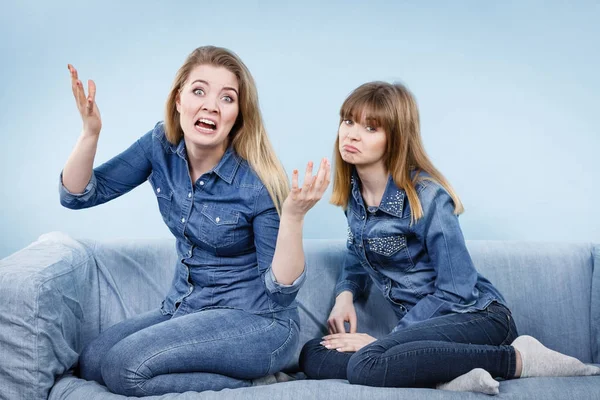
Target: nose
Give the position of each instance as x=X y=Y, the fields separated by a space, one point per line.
x=352 y=132
x=210 y=104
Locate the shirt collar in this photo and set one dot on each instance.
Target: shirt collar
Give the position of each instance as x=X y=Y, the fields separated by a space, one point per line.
x=227 y=166
x=392 y=201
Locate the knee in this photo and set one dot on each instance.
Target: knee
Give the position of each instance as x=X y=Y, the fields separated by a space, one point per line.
x=308 y=357
x=90 y=362
x=119 y=376
x=364 y=368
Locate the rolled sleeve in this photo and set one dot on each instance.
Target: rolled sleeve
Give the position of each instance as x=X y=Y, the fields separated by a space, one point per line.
x=275 y=287
x=72 y=200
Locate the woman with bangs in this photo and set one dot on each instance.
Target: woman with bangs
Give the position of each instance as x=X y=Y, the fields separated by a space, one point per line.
x=404 y=236
x=230 y=316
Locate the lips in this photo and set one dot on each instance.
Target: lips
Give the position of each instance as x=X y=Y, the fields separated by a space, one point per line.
x=206 y=125
x=350 y=149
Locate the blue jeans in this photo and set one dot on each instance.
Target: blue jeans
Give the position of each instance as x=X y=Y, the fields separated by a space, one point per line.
x=425 y=354
x=213 y=349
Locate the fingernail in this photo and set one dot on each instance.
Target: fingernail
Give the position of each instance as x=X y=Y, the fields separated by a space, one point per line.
x=322 y=343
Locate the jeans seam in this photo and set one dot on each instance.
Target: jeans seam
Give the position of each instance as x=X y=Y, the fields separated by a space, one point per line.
x=416 y=328
x=204 y=341
x=285 y=342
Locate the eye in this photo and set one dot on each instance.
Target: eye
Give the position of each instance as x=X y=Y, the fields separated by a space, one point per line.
x=348 y=122
x=198 y=92
x=370 y=128
x=228 y=98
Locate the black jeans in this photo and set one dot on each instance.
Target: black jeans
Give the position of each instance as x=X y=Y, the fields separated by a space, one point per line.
x=425 y=354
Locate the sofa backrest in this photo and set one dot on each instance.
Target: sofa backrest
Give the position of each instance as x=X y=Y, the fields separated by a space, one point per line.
x=548 y=287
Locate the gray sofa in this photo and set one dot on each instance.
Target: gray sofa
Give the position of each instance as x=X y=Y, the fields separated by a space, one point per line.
x=57 y=294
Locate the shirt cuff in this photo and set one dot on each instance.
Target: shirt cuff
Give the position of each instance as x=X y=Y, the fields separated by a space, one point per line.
x=347 y=286
x=275 y=287
x=68 y=197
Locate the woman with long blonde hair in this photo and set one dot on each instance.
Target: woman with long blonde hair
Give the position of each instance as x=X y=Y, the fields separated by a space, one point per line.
x=404 y=236
x=230 y=315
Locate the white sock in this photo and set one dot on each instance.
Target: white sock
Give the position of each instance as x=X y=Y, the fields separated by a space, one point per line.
x=265 y=380
x=538 y=360
x=476 y=380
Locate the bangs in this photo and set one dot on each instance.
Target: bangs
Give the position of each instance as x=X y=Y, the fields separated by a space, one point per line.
x=368 y=106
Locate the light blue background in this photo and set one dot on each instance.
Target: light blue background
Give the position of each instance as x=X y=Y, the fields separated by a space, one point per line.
x=508 y=93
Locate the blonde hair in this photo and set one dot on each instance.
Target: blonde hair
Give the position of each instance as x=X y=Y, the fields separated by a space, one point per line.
x=248 y=135
x=393 y=108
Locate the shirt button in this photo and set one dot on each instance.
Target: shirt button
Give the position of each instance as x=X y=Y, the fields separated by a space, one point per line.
x=190 y=194
x=201 y=183
x=182 y=220
x=363 y=217
x=157 y=190
x=190 y=252
x=217 y=219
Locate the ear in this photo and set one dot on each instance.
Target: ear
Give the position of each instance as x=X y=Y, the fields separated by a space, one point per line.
x=178 y=103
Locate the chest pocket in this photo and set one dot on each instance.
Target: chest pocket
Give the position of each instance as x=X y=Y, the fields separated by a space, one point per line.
x=218 y=226
x=163 y=193
x=390 y=252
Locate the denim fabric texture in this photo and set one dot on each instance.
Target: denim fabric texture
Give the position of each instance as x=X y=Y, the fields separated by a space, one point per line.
x=428 y=352
x=225 y=224
x=423 y=269
x=225 y=319
x=155 y=354
x=59 y=293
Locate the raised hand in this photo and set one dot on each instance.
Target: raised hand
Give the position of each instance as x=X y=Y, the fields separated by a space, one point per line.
x=92 y=123
x=301 y=199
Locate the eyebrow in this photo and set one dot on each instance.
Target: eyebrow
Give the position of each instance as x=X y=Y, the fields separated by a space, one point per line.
x=208 y=84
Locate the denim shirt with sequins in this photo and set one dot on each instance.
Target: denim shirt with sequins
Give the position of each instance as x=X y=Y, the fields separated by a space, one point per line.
x=225 y=224
x=423 y=269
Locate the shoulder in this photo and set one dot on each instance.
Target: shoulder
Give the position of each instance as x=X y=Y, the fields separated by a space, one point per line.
x=159 y=137
x=431 y=193
x=246 y=177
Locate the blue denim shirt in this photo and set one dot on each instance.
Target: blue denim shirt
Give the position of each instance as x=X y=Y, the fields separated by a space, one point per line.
x=225 y=224
x=423 y=269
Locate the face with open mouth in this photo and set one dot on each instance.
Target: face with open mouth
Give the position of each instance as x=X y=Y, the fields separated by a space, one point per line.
x=208 y=106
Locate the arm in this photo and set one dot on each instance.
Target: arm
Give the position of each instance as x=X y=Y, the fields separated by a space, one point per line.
x=456 y=276
x=279 y=242
x=78 y=169
x=352 y=283
x=81 y=186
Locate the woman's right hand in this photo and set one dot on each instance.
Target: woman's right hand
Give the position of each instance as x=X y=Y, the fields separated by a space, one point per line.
x=342 y=311
x=92 y=123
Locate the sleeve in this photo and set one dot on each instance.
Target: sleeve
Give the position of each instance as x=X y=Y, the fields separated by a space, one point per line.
x=353 y=276
x=456 y=276
x=113 y=178
x=266 y=227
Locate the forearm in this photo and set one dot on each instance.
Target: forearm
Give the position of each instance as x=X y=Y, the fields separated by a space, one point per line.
x=78 y=169
x=288 y=260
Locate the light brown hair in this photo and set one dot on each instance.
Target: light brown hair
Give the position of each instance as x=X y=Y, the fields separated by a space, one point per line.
x=248 y=135
x=393 y=108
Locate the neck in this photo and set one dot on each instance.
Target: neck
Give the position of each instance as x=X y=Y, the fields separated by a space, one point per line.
x=373 y=179
x=202 y=160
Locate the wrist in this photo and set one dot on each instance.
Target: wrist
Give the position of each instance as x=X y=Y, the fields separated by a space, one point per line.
x=288 y=216
x=345 y=297
x=89 y=134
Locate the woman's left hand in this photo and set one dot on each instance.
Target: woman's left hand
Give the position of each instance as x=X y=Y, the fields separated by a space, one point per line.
x=302 y=199
x=350 y=342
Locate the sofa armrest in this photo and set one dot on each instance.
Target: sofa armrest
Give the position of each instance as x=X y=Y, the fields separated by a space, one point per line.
x=43 y=291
